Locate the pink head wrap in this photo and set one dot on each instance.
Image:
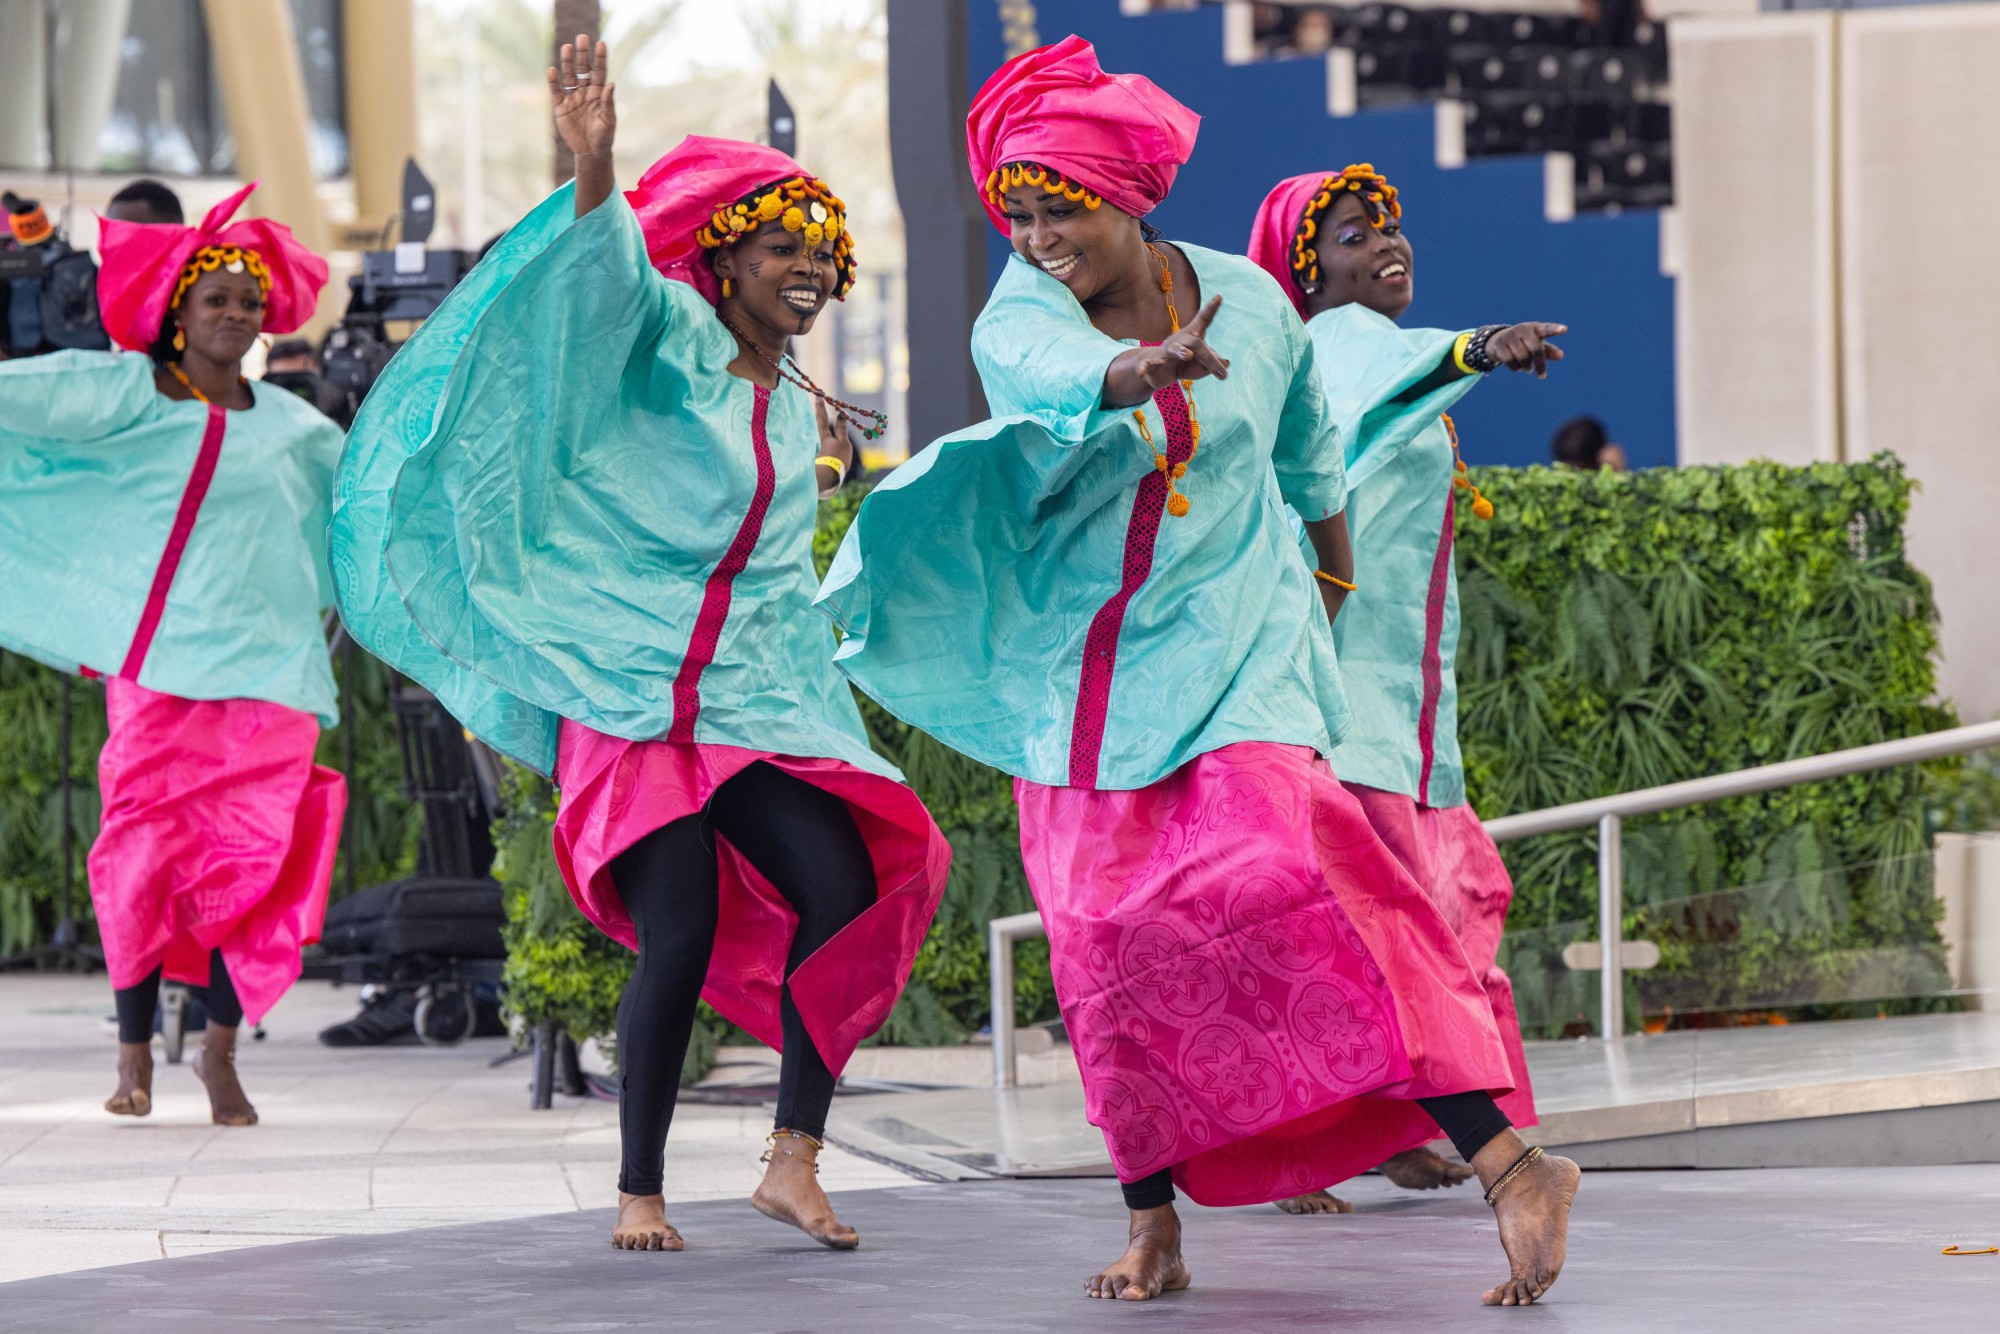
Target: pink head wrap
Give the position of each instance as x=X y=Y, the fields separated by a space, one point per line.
x=141 y=264
x=1118 y=134
x=1277 y=222
x=680 y=193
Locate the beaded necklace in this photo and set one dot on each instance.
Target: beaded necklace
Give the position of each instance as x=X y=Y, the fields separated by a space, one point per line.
x=1177 y=504
x=1482 y=508
x=852 y=413
x=174 y=368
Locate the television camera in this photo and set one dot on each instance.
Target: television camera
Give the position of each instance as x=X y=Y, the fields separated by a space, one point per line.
x=48 y=288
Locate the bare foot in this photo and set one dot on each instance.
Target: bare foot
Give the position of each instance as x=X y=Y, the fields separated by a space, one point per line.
x=1421 y=1169
x=1533 y=1213
x=642 y=1225
x=1317 y=1202
x=135 y=1081
x=215 y=1066
x=790 y=1192
x=1152 y=1262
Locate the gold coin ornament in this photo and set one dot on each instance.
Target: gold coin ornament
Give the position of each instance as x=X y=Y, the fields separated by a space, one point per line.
x=818 y=211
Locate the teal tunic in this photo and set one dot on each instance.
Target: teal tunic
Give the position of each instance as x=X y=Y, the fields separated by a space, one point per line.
x=558 y=503
x=1007 y=592
x=1398 y=631
x=95 y=469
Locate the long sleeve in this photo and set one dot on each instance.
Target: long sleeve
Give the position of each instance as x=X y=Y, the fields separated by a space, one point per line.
x=74 y=396
x=1307 y=453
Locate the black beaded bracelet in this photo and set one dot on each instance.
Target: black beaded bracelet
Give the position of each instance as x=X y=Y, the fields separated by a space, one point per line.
x=1475 y=348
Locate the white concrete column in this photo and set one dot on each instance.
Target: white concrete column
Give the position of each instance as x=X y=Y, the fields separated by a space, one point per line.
x=24 y=88
x=88 y=38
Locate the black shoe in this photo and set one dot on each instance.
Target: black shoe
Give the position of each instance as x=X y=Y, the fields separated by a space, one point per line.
x=386 y=1018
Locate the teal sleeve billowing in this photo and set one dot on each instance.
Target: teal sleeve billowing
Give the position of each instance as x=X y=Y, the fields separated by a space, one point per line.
x=94 y=465
x=539 y=491
x=1367 y=365
x=1312 y=476
x=971 y=577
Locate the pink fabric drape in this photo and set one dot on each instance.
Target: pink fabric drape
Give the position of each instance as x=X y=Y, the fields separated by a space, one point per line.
x=615 y=792
x=1118 y=134
x=1254 y=987
x=219 y=831
x=677 y=196
x=1448 y=852
x=1277 y=223
x=142 y=263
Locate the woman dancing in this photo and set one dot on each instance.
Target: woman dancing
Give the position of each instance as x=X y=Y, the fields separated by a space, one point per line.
x=1335 y=244
x=579 y=506
x=162 y=525
x=1098 y=591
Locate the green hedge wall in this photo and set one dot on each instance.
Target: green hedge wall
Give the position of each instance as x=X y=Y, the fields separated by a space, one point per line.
x=1627 y=630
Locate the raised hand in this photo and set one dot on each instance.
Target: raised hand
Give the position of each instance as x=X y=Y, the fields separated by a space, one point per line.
x=833 y=437
x=586 y=116
x=1522 y=347
x=1184 y=355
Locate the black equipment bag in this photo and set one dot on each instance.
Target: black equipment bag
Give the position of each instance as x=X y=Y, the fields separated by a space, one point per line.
x=444 y=917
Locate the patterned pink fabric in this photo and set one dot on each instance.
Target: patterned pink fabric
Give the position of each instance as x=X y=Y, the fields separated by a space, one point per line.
x=219 y=831
x=1253 y=986
x=615 y=792
x=142 y=263
x=1448 y=852
x=1100 y=645
x=708 y=622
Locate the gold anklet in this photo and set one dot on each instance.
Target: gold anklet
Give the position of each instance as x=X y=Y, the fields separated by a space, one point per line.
x=1521 y=1165
x=771 y=1146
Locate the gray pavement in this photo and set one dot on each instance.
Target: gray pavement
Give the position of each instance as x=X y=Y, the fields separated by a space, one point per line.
x=1828 y=1249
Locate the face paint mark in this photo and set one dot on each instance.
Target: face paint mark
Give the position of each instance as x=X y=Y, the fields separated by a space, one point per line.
x=756 y=267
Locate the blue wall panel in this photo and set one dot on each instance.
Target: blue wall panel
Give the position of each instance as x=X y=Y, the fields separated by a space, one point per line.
x=1484 y=253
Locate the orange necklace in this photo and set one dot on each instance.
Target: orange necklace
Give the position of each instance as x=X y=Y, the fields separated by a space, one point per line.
x=175 y=368
x=1482 y=508
x=1177 y=504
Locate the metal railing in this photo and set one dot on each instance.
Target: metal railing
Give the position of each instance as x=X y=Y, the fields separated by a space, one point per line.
x=1609 y=815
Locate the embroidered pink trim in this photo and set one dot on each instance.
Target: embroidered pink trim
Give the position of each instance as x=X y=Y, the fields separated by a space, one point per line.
x=1427 y=718
x=715 y=593
x=177 y=540
x=1100 y=646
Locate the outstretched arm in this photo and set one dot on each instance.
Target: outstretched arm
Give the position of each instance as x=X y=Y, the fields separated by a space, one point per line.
x=586 y=117
x=1136 y=372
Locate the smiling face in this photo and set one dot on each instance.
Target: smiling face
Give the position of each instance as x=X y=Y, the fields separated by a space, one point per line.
x=776 y=279
x=1082 y=248
x=221 y=315
x=1359 y=262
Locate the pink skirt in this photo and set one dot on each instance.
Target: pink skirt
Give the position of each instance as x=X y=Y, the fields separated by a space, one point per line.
x=219 y=832
x=1254 y=987
x=615 y=792
x=1447 y=851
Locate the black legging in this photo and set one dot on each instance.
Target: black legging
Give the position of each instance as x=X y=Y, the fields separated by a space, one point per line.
x=137 y=1002
x=1470 y=1119
x=804 y=842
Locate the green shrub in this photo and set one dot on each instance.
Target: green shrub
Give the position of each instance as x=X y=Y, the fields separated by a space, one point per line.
x=1627 y=630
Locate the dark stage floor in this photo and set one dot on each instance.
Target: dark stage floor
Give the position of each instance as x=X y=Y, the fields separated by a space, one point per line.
x=1828 y=1249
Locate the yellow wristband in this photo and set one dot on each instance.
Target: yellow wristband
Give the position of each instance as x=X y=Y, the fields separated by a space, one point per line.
x=1458 y=352
x=1335 y=580
x=839 y=468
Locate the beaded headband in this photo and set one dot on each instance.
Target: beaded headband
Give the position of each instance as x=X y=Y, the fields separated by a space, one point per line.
x=1378 y=200
x=802 y=205
x=1012 y=175
x=232 y=259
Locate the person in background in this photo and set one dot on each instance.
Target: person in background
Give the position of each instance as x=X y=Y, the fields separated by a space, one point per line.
x=162 y=525
x=1334 y=242
x=145 y=201
x=1583 y=443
